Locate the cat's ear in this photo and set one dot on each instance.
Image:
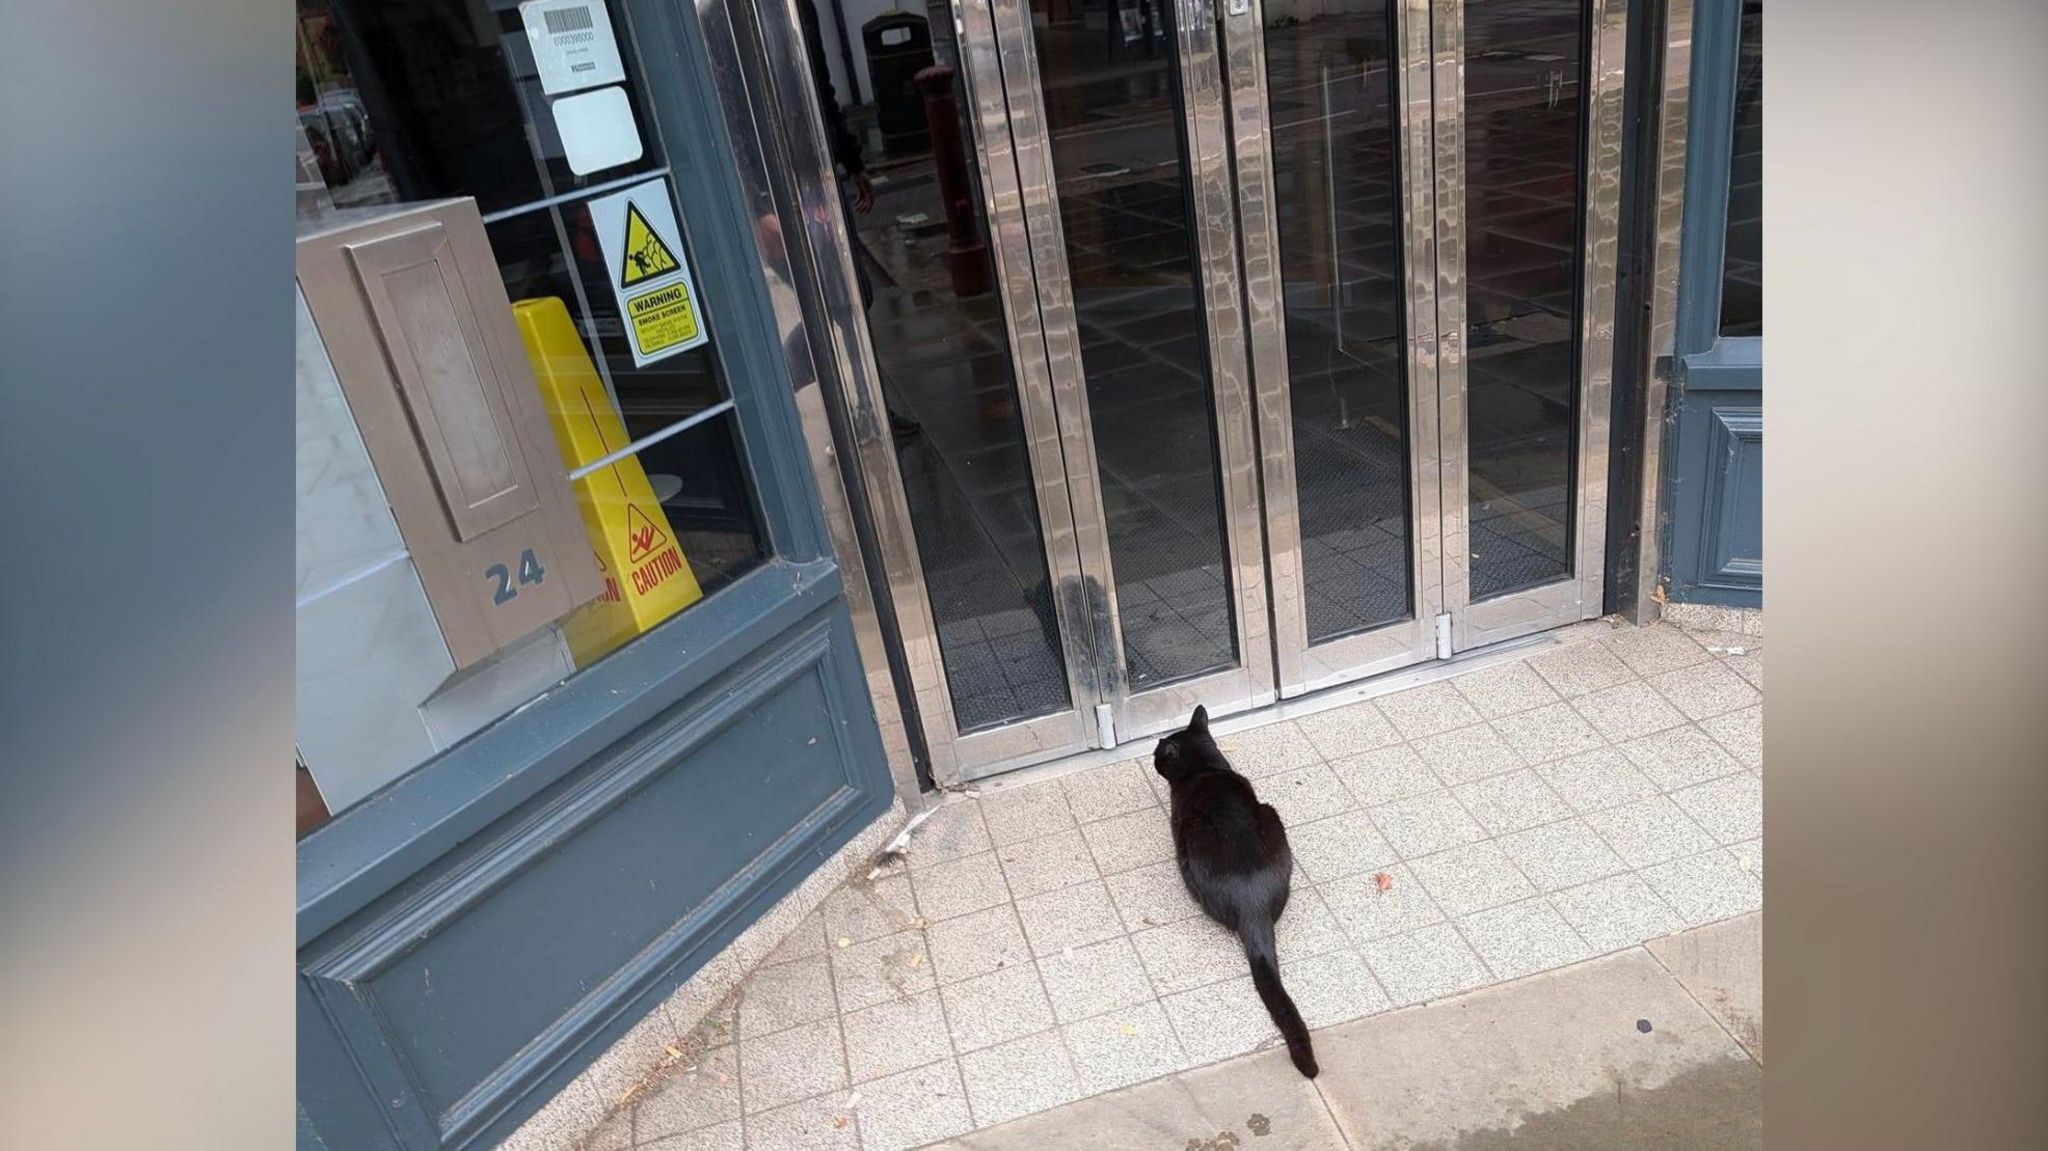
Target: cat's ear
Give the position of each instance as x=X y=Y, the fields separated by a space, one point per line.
x=1200 y=722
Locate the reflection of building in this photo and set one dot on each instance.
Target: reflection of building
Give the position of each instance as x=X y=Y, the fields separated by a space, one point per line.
x=1245 y=366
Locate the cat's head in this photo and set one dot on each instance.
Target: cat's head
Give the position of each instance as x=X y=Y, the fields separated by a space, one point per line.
x=1185 y=751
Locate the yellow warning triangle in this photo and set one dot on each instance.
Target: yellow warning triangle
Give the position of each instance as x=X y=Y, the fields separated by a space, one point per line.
x=642 y=537
x=647 y=255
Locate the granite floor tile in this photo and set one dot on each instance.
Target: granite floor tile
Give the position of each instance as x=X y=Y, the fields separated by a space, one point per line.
x=1048 y=863
x=780 y=1069
x=958 y=886
x=1385 y=775
x=1019 y=1077
x=1649 y=831
x=995 y=1008
x=977 y=943
x=896 y=1036
x=1327 y=849
x=1562 y=854
x=1470 y=878
x=1425 y=824
x=1368 y=912
x=1615 y=912
x=1466 y=754
x=1127 y=842
x=1124 y=1046
x=1548 y=733
x=1347 y=731
x=1519 y=939
x=1069 y=917
x=1427 y=710
x=1515 y=801
x=1431 y=963
x=1099 y=977
x=1504 y=690
x=1019 y=813
x=913 y=1108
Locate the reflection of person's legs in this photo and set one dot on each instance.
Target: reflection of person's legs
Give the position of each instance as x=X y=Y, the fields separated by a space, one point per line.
x=900 y=425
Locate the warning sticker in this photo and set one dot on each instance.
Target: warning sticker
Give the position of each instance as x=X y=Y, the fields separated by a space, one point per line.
x=662 y=319
x=646 y=256
x=649 y=275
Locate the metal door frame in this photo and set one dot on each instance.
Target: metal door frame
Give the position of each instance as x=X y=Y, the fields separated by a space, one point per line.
x=846 y=343
x=1251 y=683
x=1579 y=595
x=1305 y=667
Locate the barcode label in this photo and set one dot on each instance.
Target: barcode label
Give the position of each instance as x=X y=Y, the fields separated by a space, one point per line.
x=562 y=21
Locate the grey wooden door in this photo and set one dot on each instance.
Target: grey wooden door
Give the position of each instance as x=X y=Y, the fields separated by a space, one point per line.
x=1714 y=526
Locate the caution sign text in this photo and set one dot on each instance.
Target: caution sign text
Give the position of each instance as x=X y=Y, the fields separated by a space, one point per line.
x=662 y=319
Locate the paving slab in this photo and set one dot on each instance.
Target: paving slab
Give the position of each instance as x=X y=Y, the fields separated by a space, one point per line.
x=1722 y=965
x=1257 y=1101
x=1561 y=1060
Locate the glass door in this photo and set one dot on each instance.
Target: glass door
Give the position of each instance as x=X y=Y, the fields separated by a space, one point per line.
x=1528 y=174
x=1428 y=204
x=1118 y=114
x=1332 y=122
x=1264 y=349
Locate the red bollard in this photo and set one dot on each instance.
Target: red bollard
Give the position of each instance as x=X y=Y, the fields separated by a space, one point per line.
x=964 y=250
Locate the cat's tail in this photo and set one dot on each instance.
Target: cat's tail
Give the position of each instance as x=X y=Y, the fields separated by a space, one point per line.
x=1259 y=949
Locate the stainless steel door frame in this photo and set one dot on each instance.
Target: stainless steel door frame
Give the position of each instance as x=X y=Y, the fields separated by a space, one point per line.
x=953 y=757
x=1304 y=667
x=1251 y=683
x=1578 y=596
x=1017 y=744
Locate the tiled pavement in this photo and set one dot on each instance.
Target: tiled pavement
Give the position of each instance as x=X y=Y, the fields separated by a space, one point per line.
x=1037 y=947
x=1644 y=1048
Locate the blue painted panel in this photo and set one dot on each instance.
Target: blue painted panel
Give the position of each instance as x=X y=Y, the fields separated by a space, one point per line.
x=608 y=889
x=487 y=984
x=1714 y=494
x=1732 y=542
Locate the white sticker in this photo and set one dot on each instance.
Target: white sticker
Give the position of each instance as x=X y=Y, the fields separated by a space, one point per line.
x=573 y=45
x=643 y=258
x=597 y=130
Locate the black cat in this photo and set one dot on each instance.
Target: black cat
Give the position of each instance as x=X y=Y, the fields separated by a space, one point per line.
x=1234 y=858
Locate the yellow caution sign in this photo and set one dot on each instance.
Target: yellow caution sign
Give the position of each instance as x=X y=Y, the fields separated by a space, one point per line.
x=646 y=577
x=647 y=255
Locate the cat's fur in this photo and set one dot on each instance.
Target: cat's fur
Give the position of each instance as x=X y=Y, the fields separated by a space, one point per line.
x=1234 y=859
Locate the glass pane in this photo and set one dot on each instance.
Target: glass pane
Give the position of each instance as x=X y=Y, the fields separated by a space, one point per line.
x=1742 y=271
x=1331 y=104
x=450 y=94
x=440 y=98
x=1523 y=69
x=928 y=283
x=1113 y=107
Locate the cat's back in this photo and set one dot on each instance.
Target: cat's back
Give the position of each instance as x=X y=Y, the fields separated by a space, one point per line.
x=1216 y=817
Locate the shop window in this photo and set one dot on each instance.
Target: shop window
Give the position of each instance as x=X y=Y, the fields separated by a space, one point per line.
x=538 y=112
x=1742 y=270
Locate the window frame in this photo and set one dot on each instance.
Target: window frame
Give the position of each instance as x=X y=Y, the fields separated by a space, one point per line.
x=374 y=846
x=1705 y=358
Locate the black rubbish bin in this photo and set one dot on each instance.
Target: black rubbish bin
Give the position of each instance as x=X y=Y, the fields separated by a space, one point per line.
x=899 y=46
